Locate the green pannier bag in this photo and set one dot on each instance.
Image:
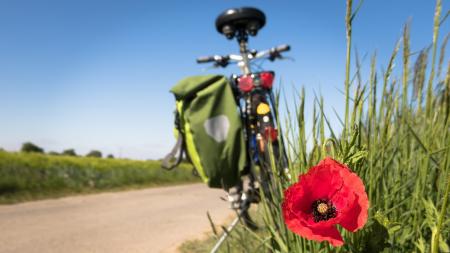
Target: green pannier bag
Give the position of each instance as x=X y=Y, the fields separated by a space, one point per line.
x=209 y=130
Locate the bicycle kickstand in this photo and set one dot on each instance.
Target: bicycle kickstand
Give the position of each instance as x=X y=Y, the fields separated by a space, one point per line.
x=228 y=230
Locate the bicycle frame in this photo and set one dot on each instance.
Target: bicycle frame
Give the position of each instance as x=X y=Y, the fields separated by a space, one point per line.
x=251 y=86
x=244 y=64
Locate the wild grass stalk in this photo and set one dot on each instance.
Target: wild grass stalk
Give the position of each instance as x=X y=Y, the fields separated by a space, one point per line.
x=437 y=23
x=348 y=29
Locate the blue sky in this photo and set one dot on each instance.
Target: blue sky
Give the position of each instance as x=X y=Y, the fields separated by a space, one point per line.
x=95 y=74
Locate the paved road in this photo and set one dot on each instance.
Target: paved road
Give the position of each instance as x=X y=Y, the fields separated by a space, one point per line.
x=151 y=220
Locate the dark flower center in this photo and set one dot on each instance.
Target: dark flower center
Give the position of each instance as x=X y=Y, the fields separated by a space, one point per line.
x=323 y=210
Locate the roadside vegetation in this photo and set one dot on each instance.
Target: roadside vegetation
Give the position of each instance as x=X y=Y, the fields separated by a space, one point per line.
x=34 y=175
x=395 y=136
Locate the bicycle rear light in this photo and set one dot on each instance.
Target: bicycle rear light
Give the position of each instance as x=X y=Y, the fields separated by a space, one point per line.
x=263 y=79
x=266 y=79
x=271 y=133
x=246 y=83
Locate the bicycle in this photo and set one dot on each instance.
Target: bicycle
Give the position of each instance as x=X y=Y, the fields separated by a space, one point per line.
x=253 y=91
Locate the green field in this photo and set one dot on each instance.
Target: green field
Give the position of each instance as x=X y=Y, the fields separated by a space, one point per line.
x=28 y=176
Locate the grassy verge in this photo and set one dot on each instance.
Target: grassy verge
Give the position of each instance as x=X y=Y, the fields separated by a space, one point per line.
x=35 y=176
x=395 y=136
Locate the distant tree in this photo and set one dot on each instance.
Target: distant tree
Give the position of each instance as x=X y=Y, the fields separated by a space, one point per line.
x=110 y=156
x=29 y=147
x=53 y=153
x=94 y=153
x=69 y=152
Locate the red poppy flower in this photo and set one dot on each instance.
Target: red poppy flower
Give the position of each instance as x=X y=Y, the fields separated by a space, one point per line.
x=329 y=194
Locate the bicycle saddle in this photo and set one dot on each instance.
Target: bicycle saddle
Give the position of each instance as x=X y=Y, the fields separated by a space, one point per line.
x=246 y=20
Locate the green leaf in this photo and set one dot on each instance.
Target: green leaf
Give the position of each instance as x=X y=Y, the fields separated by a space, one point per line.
x=376 y=238
x=443 y=246
x=421 y=245
x=391 y=226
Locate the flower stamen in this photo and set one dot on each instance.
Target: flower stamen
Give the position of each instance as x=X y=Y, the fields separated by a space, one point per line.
x=323 y=210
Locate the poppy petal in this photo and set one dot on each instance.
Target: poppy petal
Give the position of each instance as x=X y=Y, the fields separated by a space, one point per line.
x=350 y=220
x=357 y=212
x=328 y=161
x=323 y=182
x=330 y=234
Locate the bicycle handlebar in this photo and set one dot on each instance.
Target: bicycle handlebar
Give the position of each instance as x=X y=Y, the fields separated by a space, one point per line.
x=271 y=54
x=205 y=59
x=217 y=59
x=283 y=48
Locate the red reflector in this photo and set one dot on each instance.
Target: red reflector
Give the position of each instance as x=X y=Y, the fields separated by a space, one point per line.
x=266 y=79
x=245 y=83
x=271 y=133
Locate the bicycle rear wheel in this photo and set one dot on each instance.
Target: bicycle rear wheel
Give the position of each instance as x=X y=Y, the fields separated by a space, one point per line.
x=272 y=160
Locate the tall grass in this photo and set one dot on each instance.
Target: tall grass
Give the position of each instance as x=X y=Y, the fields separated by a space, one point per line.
x=396 y=141
x=399 y=146
x=25 y=176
